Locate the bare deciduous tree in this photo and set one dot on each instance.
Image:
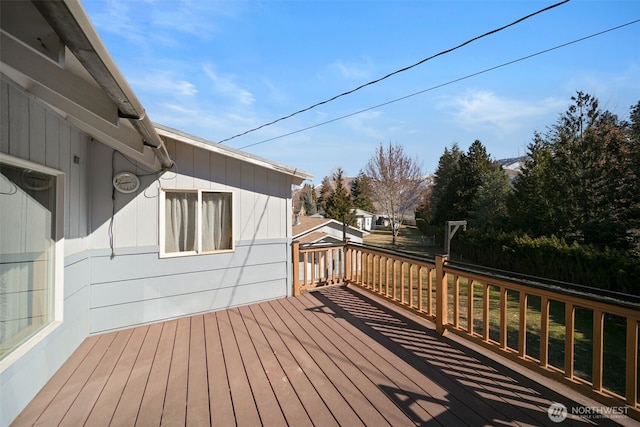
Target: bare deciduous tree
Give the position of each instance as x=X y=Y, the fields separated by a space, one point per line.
x=397 y=183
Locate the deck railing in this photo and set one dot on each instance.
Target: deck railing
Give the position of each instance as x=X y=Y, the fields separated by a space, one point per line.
x=586 y=340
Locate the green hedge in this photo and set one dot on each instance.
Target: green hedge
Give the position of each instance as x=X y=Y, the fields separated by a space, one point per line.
x=552 y=258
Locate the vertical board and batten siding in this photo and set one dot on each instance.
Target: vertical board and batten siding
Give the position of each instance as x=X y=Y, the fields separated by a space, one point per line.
x=137 y=286
x=31 y=131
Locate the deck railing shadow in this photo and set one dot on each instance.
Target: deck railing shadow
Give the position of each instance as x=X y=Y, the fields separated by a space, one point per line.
x=558 y=330
x=475 y=385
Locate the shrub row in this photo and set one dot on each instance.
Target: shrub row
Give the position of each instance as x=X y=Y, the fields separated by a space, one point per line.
x=552 y=258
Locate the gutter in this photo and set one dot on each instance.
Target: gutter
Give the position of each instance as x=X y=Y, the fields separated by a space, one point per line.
x=71 y=23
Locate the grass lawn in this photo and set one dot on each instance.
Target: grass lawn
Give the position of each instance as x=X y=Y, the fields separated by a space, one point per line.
x=409 y=239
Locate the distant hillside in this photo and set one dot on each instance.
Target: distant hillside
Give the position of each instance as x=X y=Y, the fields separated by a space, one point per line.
x=514 y=163
x=513 y=166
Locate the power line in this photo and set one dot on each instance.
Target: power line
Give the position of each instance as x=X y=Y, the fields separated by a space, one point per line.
x=468 y=76
x=397 y=71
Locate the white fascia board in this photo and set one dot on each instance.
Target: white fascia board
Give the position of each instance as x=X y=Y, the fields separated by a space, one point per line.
x=39 y=70
x=297 y=175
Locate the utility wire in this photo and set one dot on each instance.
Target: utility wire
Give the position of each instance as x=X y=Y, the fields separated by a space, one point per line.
x=444 y=52
x=468 y=76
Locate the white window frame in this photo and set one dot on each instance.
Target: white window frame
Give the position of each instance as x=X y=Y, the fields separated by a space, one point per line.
x=58 y=261
x=198 y=251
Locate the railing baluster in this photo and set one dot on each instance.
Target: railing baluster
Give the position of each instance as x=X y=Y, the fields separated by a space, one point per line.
x=394 y=279
x=569 y=327
x=632 y=362
x=306 y=267
x=544 y=331
x=522 y=326
x=485 y=312
x=410 y=285
x=295 y=276
x=429 y=292
x=379 y=274
x=420 y=288
x=598 y=348
x=503 y=317
x=401 y=277
x=470 y=304
x=456 y=300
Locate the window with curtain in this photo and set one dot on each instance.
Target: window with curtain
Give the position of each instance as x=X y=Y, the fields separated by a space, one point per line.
x=197 y=221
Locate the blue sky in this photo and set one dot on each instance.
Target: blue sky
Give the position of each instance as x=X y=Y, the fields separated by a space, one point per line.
x=218 y=68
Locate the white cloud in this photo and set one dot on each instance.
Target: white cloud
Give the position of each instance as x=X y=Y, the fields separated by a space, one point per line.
x=225 y=85
x=484 y=109
x=165 y=82
x=352 y=71
x=362 y=124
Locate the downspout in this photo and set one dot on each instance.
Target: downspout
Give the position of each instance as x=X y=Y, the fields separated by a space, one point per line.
x=71 y=23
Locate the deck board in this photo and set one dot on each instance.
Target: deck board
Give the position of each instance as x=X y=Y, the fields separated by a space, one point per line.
x=269 y=409
x=198 y=386
x=175 y=400
x=280 y=339
x=35 y=409
x=291 y=406
x=352 y=383
x=70 y=391
x=297 y=341
x=81 y=407
x=334 y=357
x=158 y=346
x=220 y=403
x=244 y=406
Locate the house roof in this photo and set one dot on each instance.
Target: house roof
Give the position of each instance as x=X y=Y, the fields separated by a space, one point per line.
x=176 y=135
x=360 y=212
x=307 y=224
x=312 y=237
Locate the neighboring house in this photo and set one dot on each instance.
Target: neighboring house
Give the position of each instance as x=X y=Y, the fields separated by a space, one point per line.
x=365 y=220
x=108 y=221
x=318 y=230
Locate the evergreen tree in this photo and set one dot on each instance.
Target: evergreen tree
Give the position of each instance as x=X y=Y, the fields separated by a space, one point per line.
x=338 y=204
x=581 y=181
x=470 y=186
x=361 y=193
x=531 y=207
x=325 y=190
x=473 y=168
x=489 y=210
x=443 y=195
x=308 y=199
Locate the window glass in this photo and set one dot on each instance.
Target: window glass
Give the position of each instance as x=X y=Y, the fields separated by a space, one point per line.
x=180 y=220
x=27 y=249
x=197 y=221
x=216 y=221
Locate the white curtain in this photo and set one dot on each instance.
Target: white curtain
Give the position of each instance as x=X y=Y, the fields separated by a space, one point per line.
x=180 y=221
x=216 y=221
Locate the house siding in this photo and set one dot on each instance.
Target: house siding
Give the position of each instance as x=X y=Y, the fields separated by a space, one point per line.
x=113 y=275
x=31 y=131
x=139 y=287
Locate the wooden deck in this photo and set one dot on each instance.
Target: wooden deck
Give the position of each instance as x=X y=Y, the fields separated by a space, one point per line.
x=332 y=357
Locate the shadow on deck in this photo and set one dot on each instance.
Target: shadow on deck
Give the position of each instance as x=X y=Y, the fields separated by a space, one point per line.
x=332 y=357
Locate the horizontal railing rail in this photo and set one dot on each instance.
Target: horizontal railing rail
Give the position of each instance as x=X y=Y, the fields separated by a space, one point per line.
x=584 y=337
